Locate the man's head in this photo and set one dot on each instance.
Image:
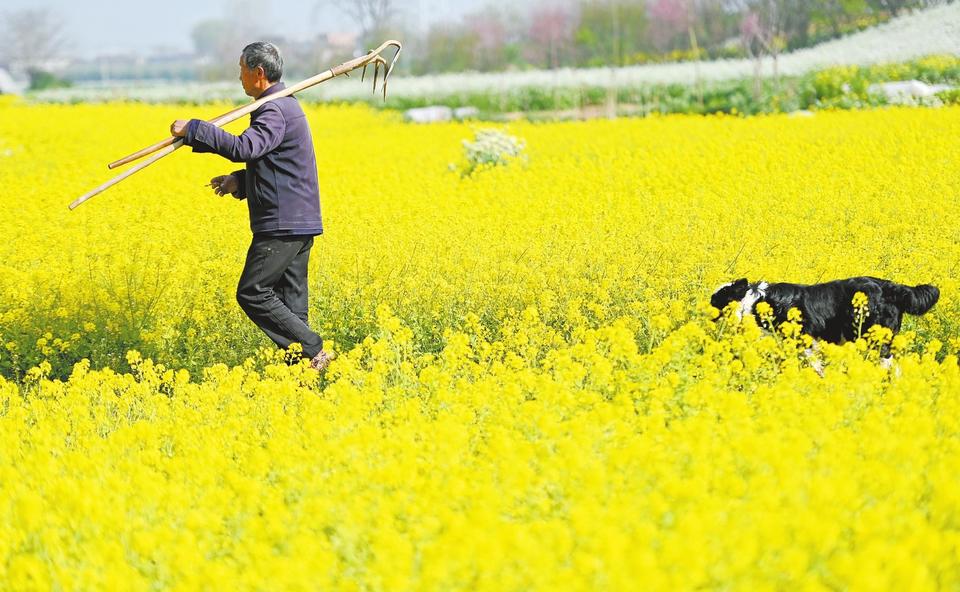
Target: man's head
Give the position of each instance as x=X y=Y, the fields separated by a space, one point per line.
x=261 y=65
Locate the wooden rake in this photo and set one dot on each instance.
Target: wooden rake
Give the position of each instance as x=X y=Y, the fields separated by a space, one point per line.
x=167 y=146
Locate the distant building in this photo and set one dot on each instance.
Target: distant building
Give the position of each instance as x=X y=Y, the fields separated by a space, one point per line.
x=131 y=66
x=10 y=86
x=304 y=58
x=342 y=41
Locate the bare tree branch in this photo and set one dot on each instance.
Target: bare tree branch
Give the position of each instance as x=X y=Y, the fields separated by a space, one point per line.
x=369 y=15
x=32 y=37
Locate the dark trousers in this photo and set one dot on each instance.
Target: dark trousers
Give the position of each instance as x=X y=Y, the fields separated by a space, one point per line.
x=273 y=290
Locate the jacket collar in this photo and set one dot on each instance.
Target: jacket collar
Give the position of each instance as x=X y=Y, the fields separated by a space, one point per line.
x=273 y=89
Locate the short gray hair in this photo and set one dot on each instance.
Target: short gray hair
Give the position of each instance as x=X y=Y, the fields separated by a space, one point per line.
x=267 y=56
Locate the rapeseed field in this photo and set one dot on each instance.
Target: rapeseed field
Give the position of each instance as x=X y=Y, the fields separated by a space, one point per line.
x=531 y=393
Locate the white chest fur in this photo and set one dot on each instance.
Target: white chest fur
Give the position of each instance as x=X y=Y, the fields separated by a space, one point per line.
x=752 y=296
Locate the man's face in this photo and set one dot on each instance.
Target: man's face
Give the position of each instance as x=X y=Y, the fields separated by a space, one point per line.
x=249 y=78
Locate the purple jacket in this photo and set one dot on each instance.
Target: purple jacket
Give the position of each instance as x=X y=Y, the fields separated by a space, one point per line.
x=280 y=181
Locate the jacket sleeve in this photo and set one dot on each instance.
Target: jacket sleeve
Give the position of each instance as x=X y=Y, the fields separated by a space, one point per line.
x=241 y=177
x=264 y=134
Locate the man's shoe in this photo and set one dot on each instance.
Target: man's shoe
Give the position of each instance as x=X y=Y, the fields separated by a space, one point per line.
x=321 y=361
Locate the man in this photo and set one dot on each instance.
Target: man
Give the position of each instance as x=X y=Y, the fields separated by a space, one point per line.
x=283 y=197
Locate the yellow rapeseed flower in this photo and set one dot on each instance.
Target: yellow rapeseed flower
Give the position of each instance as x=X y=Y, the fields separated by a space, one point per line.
x=531 y=391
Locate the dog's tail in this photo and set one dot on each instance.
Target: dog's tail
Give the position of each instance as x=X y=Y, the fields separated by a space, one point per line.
x=918 y=300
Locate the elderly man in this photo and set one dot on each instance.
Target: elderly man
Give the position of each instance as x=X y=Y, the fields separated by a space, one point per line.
x=283 y=196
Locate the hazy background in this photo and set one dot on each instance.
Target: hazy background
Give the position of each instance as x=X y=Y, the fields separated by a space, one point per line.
x=562 y=58
x=98 y=27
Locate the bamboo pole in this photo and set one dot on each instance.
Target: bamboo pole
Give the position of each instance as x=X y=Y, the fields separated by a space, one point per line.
x=169 y=145
x=151 y=149
x=373 y=57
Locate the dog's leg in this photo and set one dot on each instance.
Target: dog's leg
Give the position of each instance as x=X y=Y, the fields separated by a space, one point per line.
x=815 y=362
x=887 y=363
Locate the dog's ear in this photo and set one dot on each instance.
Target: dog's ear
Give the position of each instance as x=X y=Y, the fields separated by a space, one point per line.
x=741 y=283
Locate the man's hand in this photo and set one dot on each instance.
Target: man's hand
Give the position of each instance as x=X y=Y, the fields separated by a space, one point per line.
x=225 y=184
x=179 y=128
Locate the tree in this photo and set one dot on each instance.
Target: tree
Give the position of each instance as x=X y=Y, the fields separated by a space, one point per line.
x=31 y=38
x=758 y=37
x=222 y=39
x=894 y=7
x=795 y=18
x=551 y=34
x=489 y=34
x=670 y=19
x=714 y=22
x=446 y=49
x=370 y=16
x=611 y=31
x=832 y=15
x=213 y=37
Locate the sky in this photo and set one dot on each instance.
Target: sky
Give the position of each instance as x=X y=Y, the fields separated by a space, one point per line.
x=96 y=27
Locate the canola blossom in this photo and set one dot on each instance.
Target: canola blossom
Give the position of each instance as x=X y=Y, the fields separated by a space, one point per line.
x=531 y=392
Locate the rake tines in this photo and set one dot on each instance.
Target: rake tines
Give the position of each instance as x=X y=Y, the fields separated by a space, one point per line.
x=378 y=61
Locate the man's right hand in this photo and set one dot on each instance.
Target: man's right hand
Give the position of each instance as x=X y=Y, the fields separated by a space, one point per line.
x=225 y=184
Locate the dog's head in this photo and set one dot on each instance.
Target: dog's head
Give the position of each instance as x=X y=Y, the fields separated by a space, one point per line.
x=727 y=293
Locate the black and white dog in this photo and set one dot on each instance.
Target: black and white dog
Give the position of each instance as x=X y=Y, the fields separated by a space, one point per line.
x=827 y=308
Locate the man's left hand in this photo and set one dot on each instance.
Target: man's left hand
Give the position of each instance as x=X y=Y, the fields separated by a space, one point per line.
x=179 y=128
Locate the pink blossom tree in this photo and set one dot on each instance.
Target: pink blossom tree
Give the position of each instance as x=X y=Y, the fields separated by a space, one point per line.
x=551 y=31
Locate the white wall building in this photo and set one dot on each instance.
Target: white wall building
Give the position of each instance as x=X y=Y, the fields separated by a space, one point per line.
x=10 y=86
